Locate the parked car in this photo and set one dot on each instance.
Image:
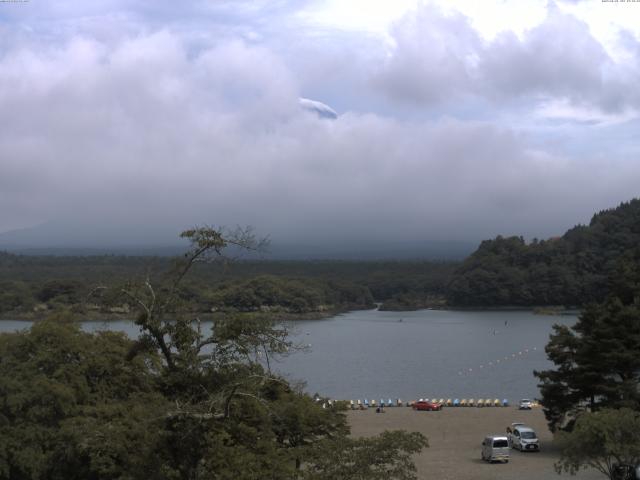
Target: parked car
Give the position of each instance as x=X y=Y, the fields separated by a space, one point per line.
x=426 y=405
x=525 y=404
x=495 y=449
x=523 y=438
x=510 y=429
x=624 y=471
x=514 y=425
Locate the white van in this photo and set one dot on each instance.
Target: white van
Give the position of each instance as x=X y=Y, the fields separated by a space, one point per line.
x=495 y=448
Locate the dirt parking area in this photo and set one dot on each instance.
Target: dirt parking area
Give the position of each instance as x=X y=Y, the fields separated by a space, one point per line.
x=455 y=436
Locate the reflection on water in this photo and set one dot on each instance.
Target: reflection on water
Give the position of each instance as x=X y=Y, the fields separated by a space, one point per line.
x=429 y=353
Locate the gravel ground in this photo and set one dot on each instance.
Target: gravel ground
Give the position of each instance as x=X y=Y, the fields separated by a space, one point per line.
x=455 y=435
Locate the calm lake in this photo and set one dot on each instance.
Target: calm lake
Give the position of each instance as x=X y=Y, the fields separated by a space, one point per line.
x=408 y=355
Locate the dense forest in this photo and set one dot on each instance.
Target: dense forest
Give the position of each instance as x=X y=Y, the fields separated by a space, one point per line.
x=32 y=286
x=581 y=266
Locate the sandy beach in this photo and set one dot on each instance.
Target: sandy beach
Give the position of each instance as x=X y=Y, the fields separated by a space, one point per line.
x=455 y=435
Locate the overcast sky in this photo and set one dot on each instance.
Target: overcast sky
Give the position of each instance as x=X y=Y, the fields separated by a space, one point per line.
x=456 y=120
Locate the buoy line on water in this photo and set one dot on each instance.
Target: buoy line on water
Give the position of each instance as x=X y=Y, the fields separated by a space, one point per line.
x=499 y=361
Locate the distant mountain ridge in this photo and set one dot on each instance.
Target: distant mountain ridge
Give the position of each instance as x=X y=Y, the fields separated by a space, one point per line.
x=65 y=239
x=571 y=270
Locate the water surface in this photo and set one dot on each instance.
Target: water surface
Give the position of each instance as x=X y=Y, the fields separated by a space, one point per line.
x=408 y=355
x=427 y=353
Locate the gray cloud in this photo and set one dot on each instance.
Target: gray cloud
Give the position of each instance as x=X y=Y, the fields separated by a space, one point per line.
x=144 y=132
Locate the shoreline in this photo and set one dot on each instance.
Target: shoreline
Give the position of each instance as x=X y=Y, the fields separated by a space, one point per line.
x=293 y=317
x=117 y=317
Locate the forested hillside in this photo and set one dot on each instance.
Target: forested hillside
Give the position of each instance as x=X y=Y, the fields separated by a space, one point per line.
x=31 y=286
x=571 y=270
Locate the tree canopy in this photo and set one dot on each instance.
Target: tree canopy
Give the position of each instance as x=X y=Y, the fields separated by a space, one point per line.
x=574 y=269
x=597 y=363
x=178 y=402
x=598 y=359
x=603 y=440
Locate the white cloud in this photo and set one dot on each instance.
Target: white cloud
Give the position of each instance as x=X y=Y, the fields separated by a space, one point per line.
x=433 y=59
x=440 y=57
x=564 y=110
x=151 y=127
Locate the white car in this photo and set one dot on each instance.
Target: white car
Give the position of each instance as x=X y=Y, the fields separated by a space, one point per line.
x=523 y=438
x=525 y=404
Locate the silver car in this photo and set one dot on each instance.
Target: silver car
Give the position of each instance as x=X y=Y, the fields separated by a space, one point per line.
x=525 y=404
x=524 y=438
x=495 y=449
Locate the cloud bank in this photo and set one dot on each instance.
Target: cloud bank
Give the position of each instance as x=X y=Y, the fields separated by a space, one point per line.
x=150 y=129
x=439 y=57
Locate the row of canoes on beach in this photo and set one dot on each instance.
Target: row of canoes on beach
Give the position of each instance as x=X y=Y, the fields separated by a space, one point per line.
x=477 y=403
x=471 y=402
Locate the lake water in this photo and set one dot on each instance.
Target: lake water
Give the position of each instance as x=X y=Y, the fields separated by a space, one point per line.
x=408 y=355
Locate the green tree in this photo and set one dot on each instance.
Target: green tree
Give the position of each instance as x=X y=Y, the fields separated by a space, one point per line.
x=601 y=440
x=597 y=363
x=72 y=406
x=377 y=458
x=231 y=381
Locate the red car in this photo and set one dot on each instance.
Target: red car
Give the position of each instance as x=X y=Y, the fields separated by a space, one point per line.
x=424 y=405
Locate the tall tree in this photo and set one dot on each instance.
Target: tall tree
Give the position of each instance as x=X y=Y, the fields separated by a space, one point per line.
x=603 y=440
x=597 y=363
